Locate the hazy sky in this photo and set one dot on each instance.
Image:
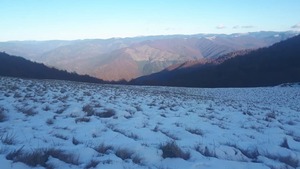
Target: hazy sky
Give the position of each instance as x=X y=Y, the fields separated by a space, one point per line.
x=82 y=19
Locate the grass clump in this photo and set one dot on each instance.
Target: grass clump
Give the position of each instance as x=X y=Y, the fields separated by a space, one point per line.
x=82 y=119
x=28 y=111
x=39 y=157
x=106 y=114
x=46 y=108
x=205 y=151
x=50 y=121
x=285 y=144
x=124 y=154
x=195 y=131
x=15 y=153
x=172 y=150
x=169 y=134
x=60 y=111
x=137 y=159
x=63 y=156
x=76 y=141
x=34 y=158
x=102 y=148
x=270 y=116
x=8 y=139
x=92 y=164
x=88 y=109
x=2 y=115
x=60 y=136
x=288 y=160
x=250 y=152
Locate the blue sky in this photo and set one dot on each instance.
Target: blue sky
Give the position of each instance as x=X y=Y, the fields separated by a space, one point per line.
x=85 y=19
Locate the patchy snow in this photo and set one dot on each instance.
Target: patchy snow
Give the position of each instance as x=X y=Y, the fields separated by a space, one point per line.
x=211 y=38
x=57 y=124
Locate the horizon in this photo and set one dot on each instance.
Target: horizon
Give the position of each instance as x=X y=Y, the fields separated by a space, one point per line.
x=33 y=20
x=211 y=34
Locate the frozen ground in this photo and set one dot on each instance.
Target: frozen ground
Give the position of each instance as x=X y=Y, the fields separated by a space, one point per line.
x=56 y=124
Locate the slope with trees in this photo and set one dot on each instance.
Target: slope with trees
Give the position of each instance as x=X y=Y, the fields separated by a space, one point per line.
x=19 y=67
x=274 y=65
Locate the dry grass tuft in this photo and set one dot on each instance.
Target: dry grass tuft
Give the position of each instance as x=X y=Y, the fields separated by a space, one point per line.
x=172 y=150
x=102 y=148
x=39 y=157
x=8 y=139
x=2 y=115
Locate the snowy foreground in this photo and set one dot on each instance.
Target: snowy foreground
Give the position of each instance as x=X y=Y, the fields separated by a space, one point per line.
x=57 y=124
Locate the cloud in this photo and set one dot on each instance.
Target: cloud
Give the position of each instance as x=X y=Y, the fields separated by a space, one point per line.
x=169 y=29
x=242 y=27
x=247 y=26
x=221 y=26
x=297 y=26
x=236 y=27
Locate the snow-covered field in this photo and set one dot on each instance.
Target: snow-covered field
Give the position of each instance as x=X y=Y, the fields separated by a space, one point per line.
x=57 y=124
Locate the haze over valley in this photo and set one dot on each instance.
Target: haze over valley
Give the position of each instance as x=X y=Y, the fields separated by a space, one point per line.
x=128 y=58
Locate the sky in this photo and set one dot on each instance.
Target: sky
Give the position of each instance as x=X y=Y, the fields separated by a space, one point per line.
x=92 y=19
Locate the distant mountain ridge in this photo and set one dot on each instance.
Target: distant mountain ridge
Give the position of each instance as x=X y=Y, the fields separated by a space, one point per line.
x=128 y=58
x=14 y=66
x=205 y=62
x=274 y=65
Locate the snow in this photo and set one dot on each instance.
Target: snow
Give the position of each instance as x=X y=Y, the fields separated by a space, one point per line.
x=211 y=38
x=232 y=128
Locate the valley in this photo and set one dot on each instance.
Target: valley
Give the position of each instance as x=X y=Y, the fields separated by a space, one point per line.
x=128 y=58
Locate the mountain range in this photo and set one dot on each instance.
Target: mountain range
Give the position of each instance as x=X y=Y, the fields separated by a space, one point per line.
x=14 y=66
x=269 y=66
x=129 y=58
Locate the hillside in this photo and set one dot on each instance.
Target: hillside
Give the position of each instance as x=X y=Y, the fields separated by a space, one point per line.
x=274 y=65
x=50 y=124
x=19 y=67
x=128 y=58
